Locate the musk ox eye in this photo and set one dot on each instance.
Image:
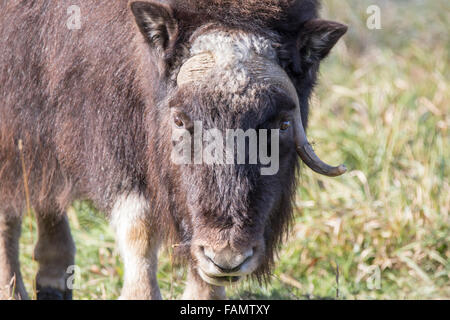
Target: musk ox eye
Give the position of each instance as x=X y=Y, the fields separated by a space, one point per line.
x=284 y=125
x=178 y=122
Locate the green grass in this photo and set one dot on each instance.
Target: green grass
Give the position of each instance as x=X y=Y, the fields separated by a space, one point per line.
x=382 y=107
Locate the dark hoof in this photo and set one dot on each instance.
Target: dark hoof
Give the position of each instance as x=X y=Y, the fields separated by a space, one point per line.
x=48 y=293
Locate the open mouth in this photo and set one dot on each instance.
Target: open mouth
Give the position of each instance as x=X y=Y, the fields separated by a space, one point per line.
x=219 y=280
x=230 y=279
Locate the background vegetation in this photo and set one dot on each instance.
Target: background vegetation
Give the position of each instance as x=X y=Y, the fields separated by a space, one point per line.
x=382 y=230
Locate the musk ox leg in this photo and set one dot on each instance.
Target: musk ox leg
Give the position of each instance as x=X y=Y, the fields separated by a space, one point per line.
x=197 y=289
x=55 y=253
x=138 y=243
x=11 y=284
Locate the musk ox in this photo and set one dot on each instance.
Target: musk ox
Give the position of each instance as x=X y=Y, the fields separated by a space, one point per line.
x=90 y=113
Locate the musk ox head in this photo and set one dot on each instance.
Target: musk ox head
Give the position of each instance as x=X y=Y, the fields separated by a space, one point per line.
x=235 y=105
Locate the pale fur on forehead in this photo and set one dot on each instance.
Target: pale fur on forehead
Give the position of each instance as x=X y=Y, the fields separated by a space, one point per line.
x=233 y=48
x=232 y=53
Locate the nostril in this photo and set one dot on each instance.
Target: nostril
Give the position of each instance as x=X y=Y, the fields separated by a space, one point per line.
x=207 y=252
x=250 y=252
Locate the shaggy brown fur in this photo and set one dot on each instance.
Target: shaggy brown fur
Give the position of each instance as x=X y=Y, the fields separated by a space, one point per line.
x=92 y=109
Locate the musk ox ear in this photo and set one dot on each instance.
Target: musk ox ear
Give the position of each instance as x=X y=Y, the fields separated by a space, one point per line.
x=318 y=37
x=156 y=22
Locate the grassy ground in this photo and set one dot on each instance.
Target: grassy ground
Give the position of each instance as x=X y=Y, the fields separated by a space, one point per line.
x=383 y=107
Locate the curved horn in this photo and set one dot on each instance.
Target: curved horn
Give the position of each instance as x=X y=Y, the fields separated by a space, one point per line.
x=309 y=157
x=272 y=72
x=196 y=68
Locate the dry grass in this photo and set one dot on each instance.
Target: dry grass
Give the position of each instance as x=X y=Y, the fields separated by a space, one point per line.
x=382 y=107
